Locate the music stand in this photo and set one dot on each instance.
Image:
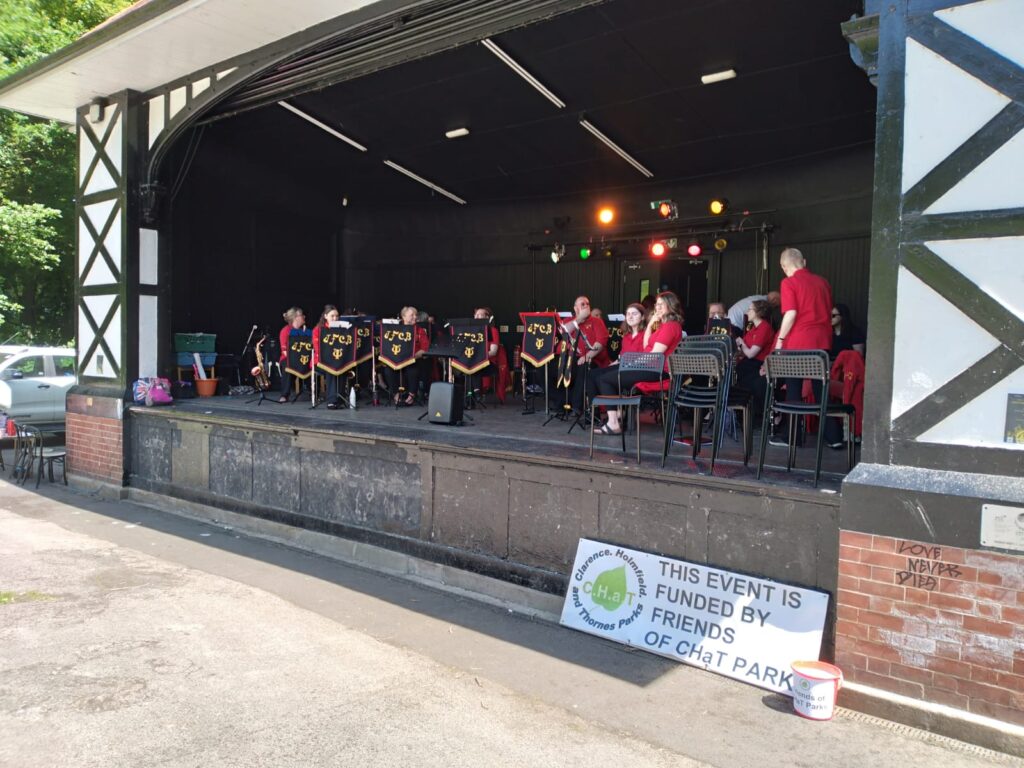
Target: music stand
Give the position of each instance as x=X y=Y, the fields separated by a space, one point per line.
x=470 y=325
x=566 y=362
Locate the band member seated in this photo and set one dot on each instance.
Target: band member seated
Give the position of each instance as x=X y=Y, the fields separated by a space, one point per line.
x=591 y=347
x=329 y=315
x=754 y=347
x=632 y=341
x=663 y=333
x=409 y=377
x=295 y=320
x=497 y=374
x=718 y=320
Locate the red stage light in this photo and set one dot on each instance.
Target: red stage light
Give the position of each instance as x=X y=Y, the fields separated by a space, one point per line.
x=694 y=250
x=658 y=249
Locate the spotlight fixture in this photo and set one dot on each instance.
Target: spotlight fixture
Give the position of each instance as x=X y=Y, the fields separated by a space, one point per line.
x=456 y=133
x=616 y=148
x=607 y=252
x=322 y=126
x=717 y=77
x=606 y=215
x=694 y=250
x=665 y=208
x=584 y=253
x=557 y=252
x=516 y=67
x=658 y=249
x=721 y=244
x=718 y=206
x=424 y=182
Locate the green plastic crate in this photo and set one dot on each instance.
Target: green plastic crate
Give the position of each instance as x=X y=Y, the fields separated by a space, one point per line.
x=195 y=342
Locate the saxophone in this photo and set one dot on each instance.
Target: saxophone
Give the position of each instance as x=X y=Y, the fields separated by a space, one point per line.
x=259 y=375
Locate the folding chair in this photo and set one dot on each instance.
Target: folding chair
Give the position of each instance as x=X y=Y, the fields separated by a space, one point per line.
x=628 y=361
x=709 y=366
x=802 y=364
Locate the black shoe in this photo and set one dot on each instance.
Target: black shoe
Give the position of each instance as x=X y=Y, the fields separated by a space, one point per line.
x=837 y=446
x=332 y=406
x=778 y=440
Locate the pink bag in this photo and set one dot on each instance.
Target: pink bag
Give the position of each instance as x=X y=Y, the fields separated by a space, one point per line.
x=152 y=391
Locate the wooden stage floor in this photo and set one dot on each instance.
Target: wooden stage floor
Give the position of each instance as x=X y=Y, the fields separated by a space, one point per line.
x=505 y=428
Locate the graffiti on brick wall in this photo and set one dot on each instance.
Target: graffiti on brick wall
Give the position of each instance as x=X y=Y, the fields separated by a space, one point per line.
x=924 y=566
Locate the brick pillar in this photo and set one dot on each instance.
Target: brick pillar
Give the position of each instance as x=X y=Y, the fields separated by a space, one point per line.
x=939 y=623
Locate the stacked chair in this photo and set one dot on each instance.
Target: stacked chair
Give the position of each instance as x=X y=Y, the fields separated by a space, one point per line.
x=702 y=374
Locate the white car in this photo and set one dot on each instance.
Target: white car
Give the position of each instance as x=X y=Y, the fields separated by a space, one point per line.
x=34 y=382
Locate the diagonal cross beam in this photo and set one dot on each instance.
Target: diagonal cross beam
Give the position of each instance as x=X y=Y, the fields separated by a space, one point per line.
x=993 y=317
x=99 y=146
x=99 y=330
x=100 y=242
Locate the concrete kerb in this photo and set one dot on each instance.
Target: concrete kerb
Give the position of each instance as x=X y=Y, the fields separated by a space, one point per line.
x=512 y=597
x=987 y=733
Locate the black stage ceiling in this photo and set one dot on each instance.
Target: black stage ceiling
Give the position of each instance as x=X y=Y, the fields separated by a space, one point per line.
x=631 y=67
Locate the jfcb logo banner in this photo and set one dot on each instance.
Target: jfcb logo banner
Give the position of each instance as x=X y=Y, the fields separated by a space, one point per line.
x=337 y=353
x=469 y=343
x=538 y=337
x=397 y=344
x=300 y=354
x=740 y=626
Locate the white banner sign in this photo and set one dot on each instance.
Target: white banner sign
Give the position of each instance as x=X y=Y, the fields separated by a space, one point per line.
x=743 y=627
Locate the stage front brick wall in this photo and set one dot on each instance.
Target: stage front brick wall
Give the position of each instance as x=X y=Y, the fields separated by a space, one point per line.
x=95 y=438
x=933 y=622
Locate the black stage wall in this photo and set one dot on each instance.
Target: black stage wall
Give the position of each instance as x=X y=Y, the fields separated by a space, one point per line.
x=249 y=240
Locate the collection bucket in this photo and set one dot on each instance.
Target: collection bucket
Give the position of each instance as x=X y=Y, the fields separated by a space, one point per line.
x=816 y=685
x=206 y=387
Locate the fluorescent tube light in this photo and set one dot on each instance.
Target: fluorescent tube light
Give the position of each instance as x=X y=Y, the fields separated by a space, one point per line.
x=717 y=77
x=518 y=69
x=424 y=182
x=322 y=126
x=616 y=148
x=456 y=133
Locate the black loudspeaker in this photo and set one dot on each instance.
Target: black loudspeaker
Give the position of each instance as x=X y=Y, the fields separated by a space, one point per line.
x=445 y=403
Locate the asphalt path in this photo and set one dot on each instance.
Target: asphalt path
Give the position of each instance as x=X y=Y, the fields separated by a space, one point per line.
x=133 y=637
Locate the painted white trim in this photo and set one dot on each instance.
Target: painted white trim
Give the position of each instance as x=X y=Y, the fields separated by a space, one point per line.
x=148 y=336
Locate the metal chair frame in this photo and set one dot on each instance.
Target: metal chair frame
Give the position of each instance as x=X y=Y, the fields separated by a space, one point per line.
x=802 y=364
x=628 y=361
x=29 y=449
x=710 y=363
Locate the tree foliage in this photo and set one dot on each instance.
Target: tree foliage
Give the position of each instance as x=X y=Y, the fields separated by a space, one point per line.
x=37 y=184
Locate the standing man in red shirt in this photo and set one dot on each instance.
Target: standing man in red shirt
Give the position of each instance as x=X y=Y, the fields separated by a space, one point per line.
x=806 y=324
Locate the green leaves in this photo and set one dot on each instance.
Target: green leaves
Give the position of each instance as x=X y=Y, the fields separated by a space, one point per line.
x=37 y=178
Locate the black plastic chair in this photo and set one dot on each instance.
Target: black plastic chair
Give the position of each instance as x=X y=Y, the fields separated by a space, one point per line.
x=699 y=381
x=628 y=361
x=802 y=364
x=741 y=401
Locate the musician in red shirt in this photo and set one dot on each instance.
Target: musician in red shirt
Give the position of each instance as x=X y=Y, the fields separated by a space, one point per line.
x=295 y=319
x=408 y=378
x=754 y=347
x=806 y=324
x=663 y=333
x=591 y=347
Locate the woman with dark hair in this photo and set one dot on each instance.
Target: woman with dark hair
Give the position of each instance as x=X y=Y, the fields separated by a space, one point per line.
x=845 y=335
x=754 y=347
x=663 y=333
x=632 y=341
x=403 y=384
x=329 y=315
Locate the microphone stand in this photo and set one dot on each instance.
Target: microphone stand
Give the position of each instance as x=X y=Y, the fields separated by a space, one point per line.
x=244 y=352
x=565 y=372
x=586 y=370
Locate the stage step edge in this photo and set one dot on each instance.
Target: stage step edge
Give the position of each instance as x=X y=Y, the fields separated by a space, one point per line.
x=474 y=586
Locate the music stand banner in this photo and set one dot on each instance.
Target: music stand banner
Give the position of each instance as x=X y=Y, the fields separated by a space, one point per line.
x=469 y=342
x=363 y=325
x=337 y=353
x=721 y=326
x=300 y=354
x=397 y=345
x=538 y=337
x=614 y=341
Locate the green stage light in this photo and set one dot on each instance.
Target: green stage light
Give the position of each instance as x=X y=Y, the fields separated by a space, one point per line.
x=584 y=253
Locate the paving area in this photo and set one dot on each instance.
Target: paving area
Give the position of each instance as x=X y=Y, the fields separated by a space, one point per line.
x=130 y=637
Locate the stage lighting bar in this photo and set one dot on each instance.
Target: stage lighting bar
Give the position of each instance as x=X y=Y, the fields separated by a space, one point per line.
x=717 y=77
x=424 y=182
x=516 y=67
x=616 y=148
x=456 y=133
x=321 y=126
